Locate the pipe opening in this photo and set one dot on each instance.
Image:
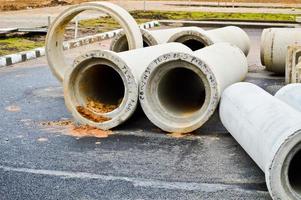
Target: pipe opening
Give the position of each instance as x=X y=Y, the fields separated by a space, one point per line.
x=123 y=44
x=101 y=88
x=194 y=45
x=294 y=173
x=181 y=91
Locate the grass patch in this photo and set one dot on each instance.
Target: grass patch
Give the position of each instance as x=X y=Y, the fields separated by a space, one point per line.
x=183 y=15
x=104 y=24
x=17 y=44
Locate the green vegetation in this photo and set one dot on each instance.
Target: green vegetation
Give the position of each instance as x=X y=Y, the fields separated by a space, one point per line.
x=183 y=15
x=17 y=44
x=104 y=24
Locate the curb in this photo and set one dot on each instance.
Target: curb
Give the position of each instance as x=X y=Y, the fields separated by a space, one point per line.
x=246 y=24
x=39 y=52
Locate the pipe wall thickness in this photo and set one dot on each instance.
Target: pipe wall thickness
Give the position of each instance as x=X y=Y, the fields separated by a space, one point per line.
x=270 y=132
x=55 y=35
x=274 y=46
x=179 y=92
x=109 y=78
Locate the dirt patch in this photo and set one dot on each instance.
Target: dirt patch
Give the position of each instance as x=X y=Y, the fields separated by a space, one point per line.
x=67 y=127
x=57 y=123
x=7 y=5
x=13 y=108
x=88 y=131
x=179 y=135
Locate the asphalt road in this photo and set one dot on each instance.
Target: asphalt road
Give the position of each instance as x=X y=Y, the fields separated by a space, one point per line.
x=137 y=162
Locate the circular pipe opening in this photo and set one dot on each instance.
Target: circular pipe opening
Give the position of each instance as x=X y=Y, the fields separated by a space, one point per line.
x=100 y=88
x=294 y=173
x=54 y=39
x=194 y=41
x=122 y=44
x=181 y=91
x=193 y=44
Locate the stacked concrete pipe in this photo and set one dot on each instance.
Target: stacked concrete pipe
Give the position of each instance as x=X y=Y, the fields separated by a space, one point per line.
x=291 y=94
x=55 y=36
x=111 y=79
x=179 y=92
x=150 y=37
x=274 y=46
x=198 y=38
x=193 y=37
x=269 y=130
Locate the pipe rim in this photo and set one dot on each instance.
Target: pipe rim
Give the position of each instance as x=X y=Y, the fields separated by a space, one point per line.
x=277 y=172
x=55 y=35
x=146 y=36
x=147 y=98
x=130 y=98
x=263 y=47
x=199 y=35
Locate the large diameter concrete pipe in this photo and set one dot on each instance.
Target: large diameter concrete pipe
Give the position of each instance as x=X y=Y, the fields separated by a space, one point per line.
x=193 y=37
x=274 y=46
x=179 y=92
x=55 y=36
x=291 y=94
x=198 y=38
x=269 y=130
x=150 y=37
x=101 y=89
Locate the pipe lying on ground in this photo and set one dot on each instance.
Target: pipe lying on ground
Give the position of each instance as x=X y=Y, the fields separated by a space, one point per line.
x=101 y=89
x=198 y=38
x=193 y=37
x=291 y=94
x=55 y=36
x=270 y=132
x=150 y=37
x=274 y=44
x=179 y=92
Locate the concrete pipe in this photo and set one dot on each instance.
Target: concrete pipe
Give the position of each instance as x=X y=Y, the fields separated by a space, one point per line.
x=291 y=94
x=150 y=37
x=269 y=130
x=179 y=92
x=101 y=89
x=197 y=38
x=55 y=36
x=274 y=44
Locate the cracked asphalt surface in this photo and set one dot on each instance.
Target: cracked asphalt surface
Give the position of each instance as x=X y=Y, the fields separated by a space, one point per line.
x=137 y=162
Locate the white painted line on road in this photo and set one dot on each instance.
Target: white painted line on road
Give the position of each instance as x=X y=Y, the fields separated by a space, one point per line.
x=137 y=182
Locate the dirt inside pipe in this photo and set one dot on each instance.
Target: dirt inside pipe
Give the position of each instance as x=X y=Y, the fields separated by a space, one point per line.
x=93 y=107
x=101 y=107
x=88 y=114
